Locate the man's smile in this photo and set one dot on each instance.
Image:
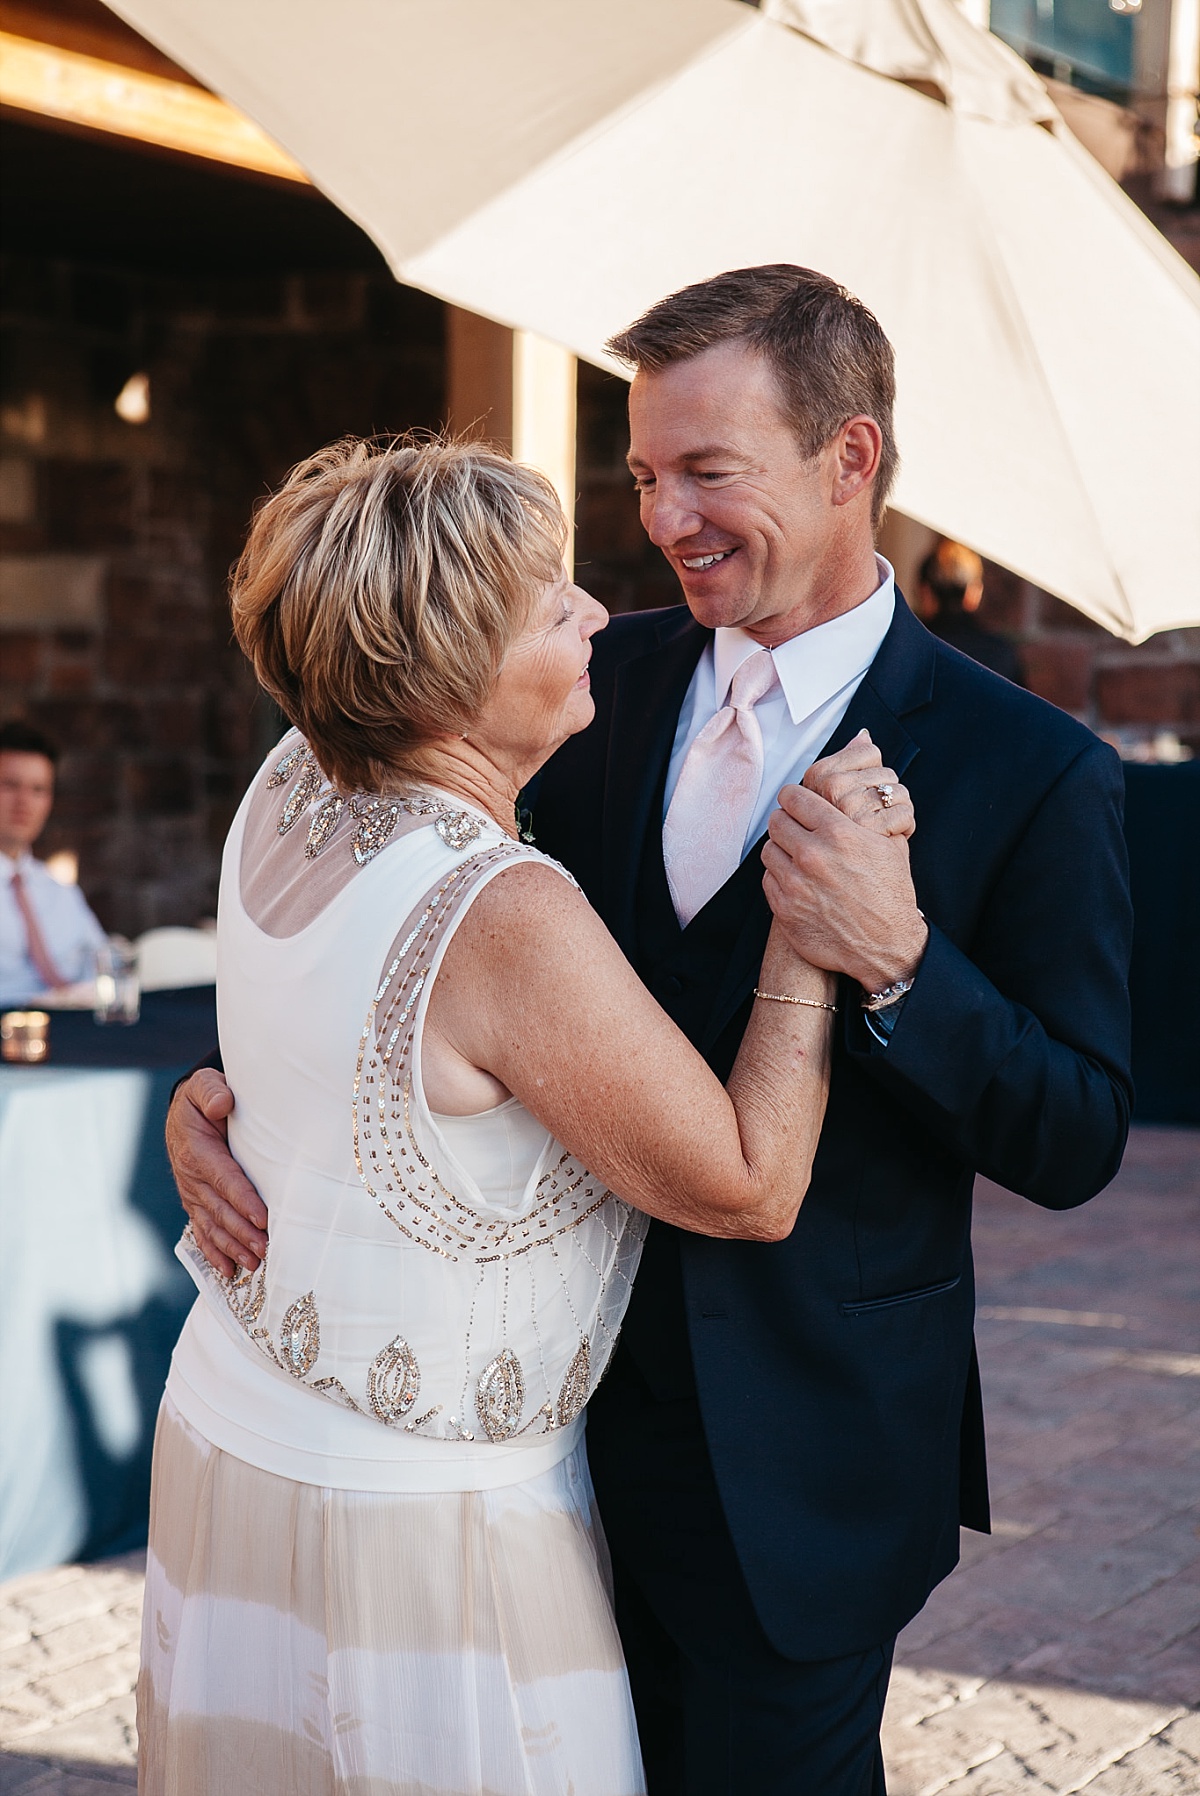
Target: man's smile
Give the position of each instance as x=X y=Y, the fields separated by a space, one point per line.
x=692 y=562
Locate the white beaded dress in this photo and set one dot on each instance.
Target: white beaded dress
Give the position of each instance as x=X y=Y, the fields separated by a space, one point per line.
x=375 y=1567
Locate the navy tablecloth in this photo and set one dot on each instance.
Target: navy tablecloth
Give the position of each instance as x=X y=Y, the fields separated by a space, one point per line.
x=176 y=1029
x=1162 y=829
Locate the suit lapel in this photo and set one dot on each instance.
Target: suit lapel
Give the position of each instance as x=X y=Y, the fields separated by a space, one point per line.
x=898 y=682
x=649 y=691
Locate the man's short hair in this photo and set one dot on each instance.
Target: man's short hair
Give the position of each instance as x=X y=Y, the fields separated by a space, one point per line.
x=948 y=570
x=20 y=738
x=828 y=352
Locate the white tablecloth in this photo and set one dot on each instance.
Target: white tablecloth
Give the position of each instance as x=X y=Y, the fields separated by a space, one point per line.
x=85 y=1270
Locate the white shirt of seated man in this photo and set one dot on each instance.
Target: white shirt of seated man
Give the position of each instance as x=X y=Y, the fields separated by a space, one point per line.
x=48 y=934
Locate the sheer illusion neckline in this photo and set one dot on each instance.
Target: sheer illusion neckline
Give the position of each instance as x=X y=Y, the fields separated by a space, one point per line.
x=291 y=868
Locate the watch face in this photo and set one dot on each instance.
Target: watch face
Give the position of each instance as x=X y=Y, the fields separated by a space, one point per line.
x=889 y=995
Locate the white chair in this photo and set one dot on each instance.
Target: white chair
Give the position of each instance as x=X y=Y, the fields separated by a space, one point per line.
x=170 y=958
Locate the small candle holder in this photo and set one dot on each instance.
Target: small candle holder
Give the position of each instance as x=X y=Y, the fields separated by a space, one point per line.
x=25 y=1036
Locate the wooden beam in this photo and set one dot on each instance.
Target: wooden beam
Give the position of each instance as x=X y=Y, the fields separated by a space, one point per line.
x=544 y=377
x=516 y=389
x=103 y=96
x=479 y=377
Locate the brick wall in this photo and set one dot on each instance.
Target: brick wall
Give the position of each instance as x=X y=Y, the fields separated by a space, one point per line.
x=1131 y=695
x=116 y=538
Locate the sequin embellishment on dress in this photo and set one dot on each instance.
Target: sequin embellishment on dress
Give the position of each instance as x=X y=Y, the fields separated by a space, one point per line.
x=375 y=816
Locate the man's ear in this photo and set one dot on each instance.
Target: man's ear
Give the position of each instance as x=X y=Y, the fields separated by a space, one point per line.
x=859 y=445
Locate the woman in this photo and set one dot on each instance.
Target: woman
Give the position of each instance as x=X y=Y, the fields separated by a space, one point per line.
x=373 y=1559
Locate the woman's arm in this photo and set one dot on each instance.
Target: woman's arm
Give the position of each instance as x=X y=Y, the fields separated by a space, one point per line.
x=534 y=990
x=229 y=1217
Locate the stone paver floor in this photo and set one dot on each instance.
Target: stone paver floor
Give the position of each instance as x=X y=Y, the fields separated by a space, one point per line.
x=1064 y=1653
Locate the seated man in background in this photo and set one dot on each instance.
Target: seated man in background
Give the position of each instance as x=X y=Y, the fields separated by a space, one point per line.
x=950 y=588
x=48 y=936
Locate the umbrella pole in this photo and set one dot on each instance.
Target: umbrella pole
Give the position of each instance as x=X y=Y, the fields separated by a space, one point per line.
x=1177 y=177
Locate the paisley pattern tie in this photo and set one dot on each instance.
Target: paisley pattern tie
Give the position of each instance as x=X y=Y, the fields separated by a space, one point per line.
x=716 y=794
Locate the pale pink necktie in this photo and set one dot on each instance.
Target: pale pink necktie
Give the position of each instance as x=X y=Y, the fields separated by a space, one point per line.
x=716 y=793
x=39 y=954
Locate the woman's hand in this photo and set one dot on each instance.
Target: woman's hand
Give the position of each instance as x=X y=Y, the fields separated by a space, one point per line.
x=228 y=1216
x=863 y=789
x=837 y=869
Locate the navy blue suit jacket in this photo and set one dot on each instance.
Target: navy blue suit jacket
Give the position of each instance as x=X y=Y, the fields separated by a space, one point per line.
x=835 y=1370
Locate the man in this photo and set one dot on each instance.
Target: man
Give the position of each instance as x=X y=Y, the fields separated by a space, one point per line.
x=48 y=936
x=789 y=1433
x=950 y=589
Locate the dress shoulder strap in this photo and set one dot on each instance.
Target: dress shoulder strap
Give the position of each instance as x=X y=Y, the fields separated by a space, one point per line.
x=417 y=949
x=396 y=1146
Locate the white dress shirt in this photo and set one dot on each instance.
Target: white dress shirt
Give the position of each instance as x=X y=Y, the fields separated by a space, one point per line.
x=70 y=931
x=817 y=675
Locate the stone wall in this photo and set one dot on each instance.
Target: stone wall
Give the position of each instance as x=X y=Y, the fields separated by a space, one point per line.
x=116 y=538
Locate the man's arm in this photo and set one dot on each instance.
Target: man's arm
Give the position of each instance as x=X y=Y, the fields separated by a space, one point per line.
x=1018 y=1055
x=1015 y=1055
x=228 y=1217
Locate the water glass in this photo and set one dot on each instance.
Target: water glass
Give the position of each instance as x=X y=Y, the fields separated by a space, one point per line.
x=118 y=988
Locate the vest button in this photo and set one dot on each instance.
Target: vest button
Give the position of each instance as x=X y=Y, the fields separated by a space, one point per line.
x=671 y=986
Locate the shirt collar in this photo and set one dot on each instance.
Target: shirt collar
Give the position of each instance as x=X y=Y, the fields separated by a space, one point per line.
x=24 y=863
x=817 y=664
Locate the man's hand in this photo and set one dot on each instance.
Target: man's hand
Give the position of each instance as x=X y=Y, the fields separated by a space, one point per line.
x=844 y=893
x=228 y=1216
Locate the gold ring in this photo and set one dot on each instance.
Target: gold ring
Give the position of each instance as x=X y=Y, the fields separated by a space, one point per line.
x=886 y=796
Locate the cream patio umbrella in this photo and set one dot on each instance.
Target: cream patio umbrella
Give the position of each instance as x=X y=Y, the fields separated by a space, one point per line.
x=558 y=167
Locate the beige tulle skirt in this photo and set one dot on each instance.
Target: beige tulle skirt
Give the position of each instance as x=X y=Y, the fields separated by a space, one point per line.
x=300 y=1641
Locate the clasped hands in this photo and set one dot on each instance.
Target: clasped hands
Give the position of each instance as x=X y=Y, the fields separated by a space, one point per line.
x=837 y=879
x=837 y=869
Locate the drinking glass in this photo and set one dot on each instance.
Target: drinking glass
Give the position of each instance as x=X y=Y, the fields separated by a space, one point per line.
x=118 y=988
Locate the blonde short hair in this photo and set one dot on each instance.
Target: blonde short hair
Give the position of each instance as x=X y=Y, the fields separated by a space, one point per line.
x=380 y=589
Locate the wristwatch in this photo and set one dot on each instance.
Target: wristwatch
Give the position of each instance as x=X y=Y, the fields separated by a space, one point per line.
x=890 y=994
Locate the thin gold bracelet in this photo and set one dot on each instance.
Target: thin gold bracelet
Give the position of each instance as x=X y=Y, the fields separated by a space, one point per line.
x=809 y=1003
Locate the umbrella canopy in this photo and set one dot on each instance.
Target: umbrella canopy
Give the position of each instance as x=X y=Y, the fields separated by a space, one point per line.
x=559 y=168
x=931 y=45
